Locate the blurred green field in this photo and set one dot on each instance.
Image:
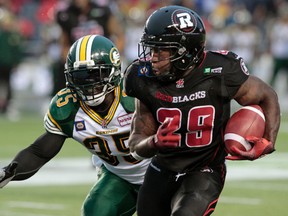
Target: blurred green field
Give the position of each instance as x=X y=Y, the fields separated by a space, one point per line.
x=251 y=198
x=240 y=197
x=42 y=201
x=18 y=135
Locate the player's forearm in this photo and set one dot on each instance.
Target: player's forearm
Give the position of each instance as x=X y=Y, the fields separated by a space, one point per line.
x=142 y=146
x=272 y=115
x=271 y=108
x=32 y=158
x=28 y=164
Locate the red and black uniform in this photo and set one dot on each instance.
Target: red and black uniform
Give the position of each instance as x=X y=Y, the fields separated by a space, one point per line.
x=202 y=99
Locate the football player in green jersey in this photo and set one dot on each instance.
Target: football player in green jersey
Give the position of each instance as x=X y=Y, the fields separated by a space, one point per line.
x=93 y=111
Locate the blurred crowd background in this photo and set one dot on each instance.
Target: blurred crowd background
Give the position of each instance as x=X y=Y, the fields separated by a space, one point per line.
x=36 y=34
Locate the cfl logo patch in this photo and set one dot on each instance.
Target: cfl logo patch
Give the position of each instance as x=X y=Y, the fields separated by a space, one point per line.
x=143 y=70
x=80 y=125
x=184 y=21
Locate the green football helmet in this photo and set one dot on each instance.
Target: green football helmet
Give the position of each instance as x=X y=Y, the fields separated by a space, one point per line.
x=93 y=68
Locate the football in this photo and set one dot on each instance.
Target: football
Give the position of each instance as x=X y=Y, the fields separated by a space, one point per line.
x=247 y=121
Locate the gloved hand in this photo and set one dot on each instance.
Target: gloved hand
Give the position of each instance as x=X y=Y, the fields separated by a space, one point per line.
x=164 y=137
x=7 y=173
x=261 y=147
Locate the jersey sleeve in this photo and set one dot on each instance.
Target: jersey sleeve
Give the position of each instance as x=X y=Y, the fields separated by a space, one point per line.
x=135 y=78
x=235 y=75
x=59 y=118
x=127 y=102
x=129 y=76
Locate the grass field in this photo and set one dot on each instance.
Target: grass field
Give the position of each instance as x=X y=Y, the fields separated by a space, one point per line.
x=265 y=193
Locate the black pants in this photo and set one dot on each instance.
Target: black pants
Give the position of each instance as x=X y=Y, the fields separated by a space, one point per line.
x=194 y=193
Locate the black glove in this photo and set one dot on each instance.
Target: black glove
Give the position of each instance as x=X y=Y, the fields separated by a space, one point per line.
x=7 y=173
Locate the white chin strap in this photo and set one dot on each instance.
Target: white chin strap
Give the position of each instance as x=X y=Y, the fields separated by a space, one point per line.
x=99 y=98
x=95 y=102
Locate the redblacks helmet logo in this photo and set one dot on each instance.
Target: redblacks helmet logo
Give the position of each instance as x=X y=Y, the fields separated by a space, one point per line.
x=184 y=21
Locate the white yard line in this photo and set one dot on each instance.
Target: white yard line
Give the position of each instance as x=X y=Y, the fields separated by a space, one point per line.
x=34 y=205
x=274 y=166
x=14 y=213
x=239 y=200
x=71 y=171
x=66 y=171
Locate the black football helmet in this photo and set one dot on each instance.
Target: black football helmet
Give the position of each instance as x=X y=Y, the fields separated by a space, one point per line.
x=178 y=29
x=93 y=68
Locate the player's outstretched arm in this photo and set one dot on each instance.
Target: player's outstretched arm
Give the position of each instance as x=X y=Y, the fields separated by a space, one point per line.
x=7 y=173
x=29 y=160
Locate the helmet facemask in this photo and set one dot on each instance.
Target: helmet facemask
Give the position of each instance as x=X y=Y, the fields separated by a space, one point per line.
x=92 y=84
x=145 y=52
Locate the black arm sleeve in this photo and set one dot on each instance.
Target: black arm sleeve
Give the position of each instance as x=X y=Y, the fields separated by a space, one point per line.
x=128 y=80
x=32 y=158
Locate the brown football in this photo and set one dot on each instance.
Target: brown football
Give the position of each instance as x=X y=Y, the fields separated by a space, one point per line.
x=247 y=121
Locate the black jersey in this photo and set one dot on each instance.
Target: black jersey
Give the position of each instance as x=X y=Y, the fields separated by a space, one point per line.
x=76 y=24
x=202 y=99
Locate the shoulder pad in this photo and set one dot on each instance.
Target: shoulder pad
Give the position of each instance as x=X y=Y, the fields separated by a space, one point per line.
x=227 y=53
x=129 y=75
x=132 y=74
x=63 y=106
x=131 y=67
x=127 y=102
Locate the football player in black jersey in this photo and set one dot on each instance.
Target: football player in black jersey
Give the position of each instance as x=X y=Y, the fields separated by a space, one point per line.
x=183 y=103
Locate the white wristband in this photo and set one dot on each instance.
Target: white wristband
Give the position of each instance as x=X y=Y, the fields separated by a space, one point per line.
x=136 y=156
